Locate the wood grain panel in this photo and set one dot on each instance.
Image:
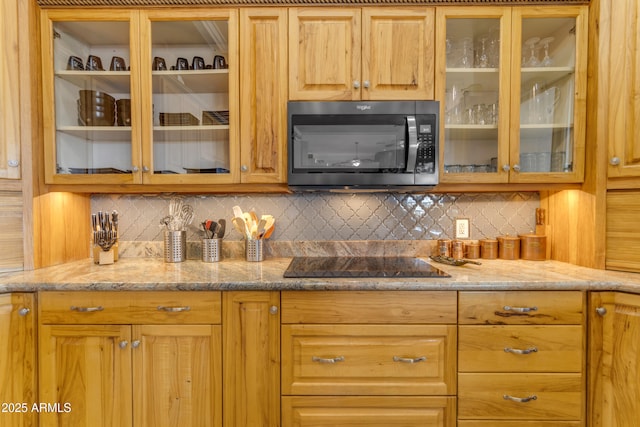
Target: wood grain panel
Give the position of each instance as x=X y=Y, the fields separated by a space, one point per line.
x=11 y=231
x=623 y=230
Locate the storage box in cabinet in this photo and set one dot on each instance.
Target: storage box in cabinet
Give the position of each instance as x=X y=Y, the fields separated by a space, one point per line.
x=520 y=396
x=510 y=348
x=369 y=411
x=368 y=360
x=149 y=307
x=521 y=307
x=369 y=307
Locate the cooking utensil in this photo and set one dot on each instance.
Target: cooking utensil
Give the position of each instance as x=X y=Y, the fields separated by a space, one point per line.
x=452 y=261
x=222 y=223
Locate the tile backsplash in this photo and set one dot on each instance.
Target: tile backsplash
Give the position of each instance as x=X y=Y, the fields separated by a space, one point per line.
x=328 y=216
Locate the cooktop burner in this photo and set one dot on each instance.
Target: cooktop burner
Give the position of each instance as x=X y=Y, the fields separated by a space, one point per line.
x=361 y=267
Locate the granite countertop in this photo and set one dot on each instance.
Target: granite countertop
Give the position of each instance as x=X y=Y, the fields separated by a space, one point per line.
x=129 y=274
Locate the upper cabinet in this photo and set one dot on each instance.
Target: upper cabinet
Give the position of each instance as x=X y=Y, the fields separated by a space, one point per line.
x=371 y=53
x=513 y=85
x=9 y=93
x=136 y=97
x=623 y=126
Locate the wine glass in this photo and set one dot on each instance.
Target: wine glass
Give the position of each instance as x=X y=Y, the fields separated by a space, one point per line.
x=483 y=57
x=530 y=44
x=546 y=61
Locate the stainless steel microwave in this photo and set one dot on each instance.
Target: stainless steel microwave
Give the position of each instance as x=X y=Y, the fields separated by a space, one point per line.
x=363 y=145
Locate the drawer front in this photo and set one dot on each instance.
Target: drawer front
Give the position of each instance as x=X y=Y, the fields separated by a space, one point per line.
x=368 y=360
x=545 y=396
x=532 y=348
x=368 y=411
x=369 y=307
x=149 y=307
x=521 y=308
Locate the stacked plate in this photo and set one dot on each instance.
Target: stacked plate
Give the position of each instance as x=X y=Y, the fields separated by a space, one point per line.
x=96 y=108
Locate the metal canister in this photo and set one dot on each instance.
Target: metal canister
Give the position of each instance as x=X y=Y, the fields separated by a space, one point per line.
x=472 y=249
x=444 y=247
x=457 y=249
x=489 y=248
x=508 y=247
x=533 y=247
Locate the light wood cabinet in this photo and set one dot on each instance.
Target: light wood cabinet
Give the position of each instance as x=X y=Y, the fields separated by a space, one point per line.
x=115 y=363
x=251 y=323
x=352 y=53
x=521 y=356
x=368 y=358
x=18 y=392
x=623 y=230
x=614 y=366
x=9 y=93
x=263 y=95
x=11 y=231
x=512 y=113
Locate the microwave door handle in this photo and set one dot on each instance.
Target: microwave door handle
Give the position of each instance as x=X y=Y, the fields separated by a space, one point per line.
x=412 y=152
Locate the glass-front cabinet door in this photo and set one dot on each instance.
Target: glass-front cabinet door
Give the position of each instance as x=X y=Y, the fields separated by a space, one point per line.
x=512 y=82
x=90 y=96
x=190 y=91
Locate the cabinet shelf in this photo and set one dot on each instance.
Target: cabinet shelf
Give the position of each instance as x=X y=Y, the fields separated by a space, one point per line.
x=181 y=133
x=190 y=81
x=98 y=133
x=548 y=74
x=107 y=81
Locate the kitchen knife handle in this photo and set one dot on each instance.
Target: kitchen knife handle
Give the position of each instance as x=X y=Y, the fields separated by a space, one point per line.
x=520 y=399
x=409 y=359
x=520 y=309
x=328 y=360
x=174 y=309
x=86 y=309
x=519 y=351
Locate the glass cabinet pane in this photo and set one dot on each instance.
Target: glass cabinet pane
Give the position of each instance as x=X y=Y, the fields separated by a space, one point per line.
x=190 y=97
x=547 y=90
x=92 y=92
x=471 y=99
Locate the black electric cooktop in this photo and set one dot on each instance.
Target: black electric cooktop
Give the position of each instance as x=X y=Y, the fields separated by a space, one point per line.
x=361 y=267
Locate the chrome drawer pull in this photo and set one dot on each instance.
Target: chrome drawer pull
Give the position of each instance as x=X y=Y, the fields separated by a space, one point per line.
x=518 y=351
x=519 y=309
x=86 y=309
x=174 y=309
x=328 y=360
x=520 y=399
x=409 y=359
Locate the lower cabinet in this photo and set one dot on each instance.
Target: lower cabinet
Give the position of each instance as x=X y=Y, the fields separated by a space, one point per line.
x=18 y=360
x=130 y=359
x=368 y=358
x=614 y=363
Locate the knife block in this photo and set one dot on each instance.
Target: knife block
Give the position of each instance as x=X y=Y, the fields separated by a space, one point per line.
x=105 y=257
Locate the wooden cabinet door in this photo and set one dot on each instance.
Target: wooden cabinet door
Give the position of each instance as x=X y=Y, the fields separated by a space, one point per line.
x=324 y=54
x=623 y=128
x=263 y=95
x=9 y=93
x=86 y=371
x=251 y=368
x=397 y=53
x=614 y=320
x=17 y=360
x=177 y=376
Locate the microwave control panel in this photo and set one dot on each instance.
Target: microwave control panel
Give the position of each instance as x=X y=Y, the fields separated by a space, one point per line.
x=426 y=158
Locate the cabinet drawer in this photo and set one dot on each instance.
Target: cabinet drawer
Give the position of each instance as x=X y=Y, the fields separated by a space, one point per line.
x=147 y=307
x=368 y=411
x=530 y=348
x=368 y=360
x=369 y=307
x=521 y=308
x=486 y=396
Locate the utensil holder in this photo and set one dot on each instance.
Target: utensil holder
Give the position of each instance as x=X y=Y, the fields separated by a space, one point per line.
x=211 y=250
x=175 y=246
x=253 y=250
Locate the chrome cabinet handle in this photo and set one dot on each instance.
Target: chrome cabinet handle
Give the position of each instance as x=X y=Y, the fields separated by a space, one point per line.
x=520 y=399
x=518 y=351
x=506 y=168
x=123 y=344
x=328 y=360
x=244 y=168
x=134 y=169
x=356 y=84
x=601 y=311
x=135 y=344
x=409 y=359
x=615 y=161
x=145 y=169
x=13 y=163
x=366 y=84
x=520 y=309
x=24 y=311
x=86 y=309
x=173 y=309
x=516 y=167
x=273 y=309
